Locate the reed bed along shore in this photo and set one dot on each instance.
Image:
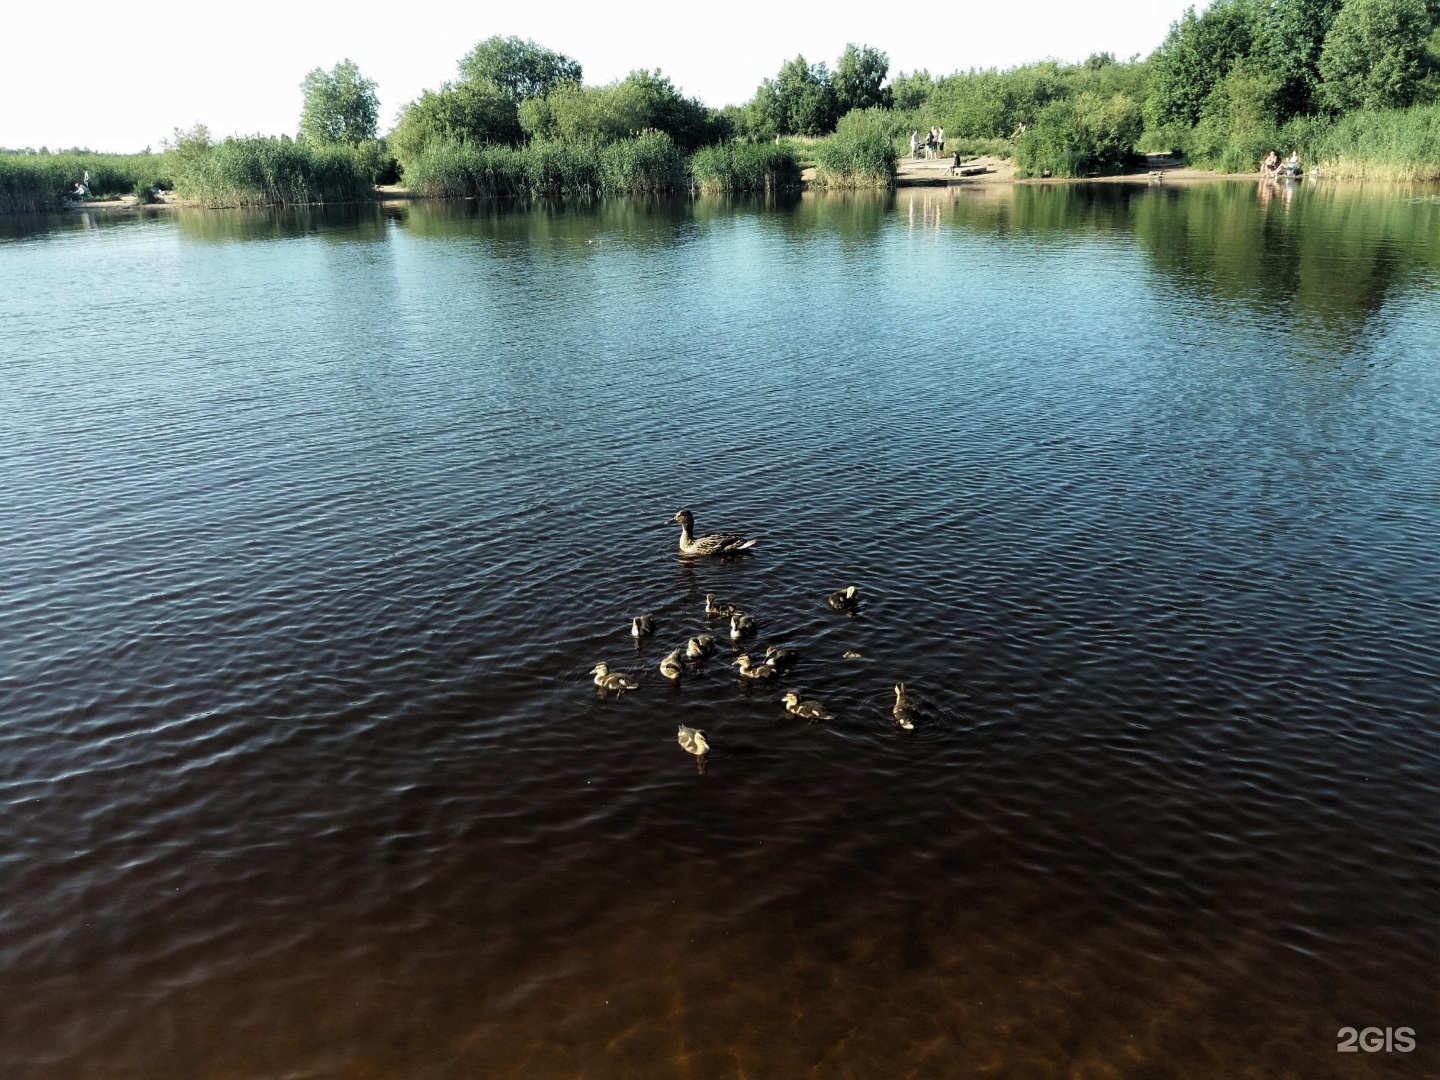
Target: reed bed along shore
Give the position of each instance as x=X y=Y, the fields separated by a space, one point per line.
x=260 y=171
x=865 y=160
x=744 y=168
x=1391 y=144
x=32 y=183
x=646 y=164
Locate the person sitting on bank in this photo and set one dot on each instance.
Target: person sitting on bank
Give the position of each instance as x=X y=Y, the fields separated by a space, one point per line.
x=1271 y=162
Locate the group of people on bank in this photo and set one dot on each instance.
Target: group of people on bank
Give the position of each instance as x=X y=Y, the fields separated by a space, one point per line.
x=1270 y=165
x=934 y=144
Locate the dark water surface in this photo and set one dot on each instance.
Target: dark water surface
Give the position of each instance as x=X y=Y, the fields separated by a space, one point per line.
x=312 y=526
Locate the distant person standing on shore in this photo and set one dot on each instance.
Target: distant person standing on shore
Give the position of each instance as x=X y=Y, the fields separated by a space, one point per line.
x=940 y=141
x=914 y=144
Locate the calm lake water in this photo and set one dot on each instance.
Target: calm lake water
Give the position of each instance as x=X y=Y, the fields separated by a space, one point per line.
x=313 y=525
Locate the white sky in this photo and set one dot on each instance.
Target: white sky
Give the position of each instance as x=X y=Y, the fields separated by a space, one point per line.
x=123 y=79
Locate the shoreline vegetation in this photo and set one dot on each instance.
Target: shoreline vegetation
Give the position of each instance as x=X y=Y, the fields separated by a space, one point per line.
x=1351 y=86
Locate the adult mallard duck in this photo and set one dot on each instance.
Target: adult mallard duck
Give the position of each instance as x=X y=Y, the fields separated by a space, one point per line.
x=782 y=660
x=608 y=680
x=741 y=625
x=806 y=710
x=845 y=599
x=713 y=544
x=671 y=667
x=693 y=740
x=716 y=610
x=642 y=626
x=700 y=645
x=903 y=712
x=751 y=670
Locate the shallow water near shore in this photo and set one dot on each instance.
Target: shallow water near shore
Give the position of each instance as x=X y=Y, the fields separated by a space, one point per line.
x=315 y=522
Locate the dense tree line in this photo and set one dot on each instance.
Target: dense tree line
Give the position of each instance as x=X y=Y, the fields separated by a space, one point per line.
x=1223 y=83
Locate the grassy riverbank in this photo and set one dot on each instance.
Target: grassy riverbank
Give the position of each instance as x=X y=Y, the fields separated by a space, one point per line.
x=37 y=182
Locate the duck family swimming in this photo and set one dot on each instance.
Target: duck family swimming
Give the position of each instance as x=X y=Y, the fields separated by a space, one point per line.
x=777 y=662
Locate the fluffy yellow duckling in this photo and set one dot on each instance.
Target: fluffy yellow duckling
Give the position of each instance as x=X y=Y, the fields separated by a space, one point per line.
x=807 y=710
x=845 y=599
x=713 y=544
x=671 y=667
x=700 y=645
x=716 y=610
x=903 y=712
x=607 y=680
x=693 y=740
x=740 y=626
x=751 y=670
x=642 y=626
x=782 y=660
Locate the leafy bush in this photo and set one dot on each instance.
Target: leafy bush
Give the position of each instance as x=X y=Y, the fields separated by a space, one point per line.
x=735 y=167
x=475 y=112
x=1078 y=137
x=855 y=161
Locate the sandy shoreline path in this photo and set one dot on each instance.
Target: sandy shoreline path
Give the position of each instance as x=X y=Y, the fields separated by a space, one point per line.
x=1158 y=168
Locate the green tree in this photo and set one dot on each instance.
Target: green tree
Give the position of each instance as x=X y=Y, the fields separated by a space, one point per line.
x=688 y=122
x=860 y=78
x=804 y=99
x=340 y=105
x=1374 y=55
x=1291 y=39
x=910 y=91
x=470 y=112
x=522 y=69
x=1196 y=54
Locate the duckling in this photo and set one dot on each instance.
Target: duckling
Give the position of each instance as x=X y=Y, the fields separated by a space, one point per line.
x=808 y=710
x=782 y=660
x=693 y=740
x=605 y=679
x=670 y=667
x=741 y=625
x=700 y=645
x=850 y=654
x=642 y=626
x=844 y=600
x=715 y=610
x=903 y=712
x=713 y=544
x=751 y=670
